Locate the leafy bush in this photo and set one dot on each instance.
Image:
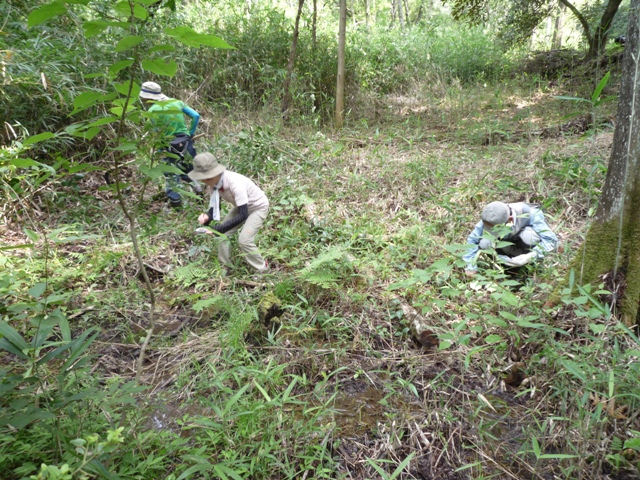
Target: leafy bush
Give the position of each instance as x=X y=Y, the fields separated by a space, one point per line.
x=392 y=60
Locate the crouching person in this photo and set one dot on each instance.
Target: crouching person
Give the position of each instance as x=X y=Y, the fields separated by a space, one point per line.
x=521 y=224
x=250 y=209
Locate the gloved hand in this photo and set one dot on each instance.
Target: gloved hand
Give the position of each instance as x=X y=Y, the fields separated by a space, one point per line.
x=485 y=244
x=520 y=260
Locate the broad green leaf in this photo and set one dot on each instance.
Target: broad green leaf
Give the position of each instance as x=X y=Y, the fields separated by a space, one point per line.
x=38 y=138
x=595 y=328
x=162 y=48
x=185 y=35
x=83 y=167
x=33 y=236
x=76 y=2
x=213 y=41
x=21 y=420
x=573 y=369
x=232 y=401
x=128 y=42
x=103 y=121
x=37 y=290
x=467 y=466
x=79 y=345
x=94 y=27
x=127 y=147
x=119 y=110
x=600 y=87
x=200 y=467
x=509 y=316
x=7 y=346
x=159 y=67
x=138 y=10
x=88 y=134
x=496 y=321
x=86 y=99
x=226 y=472
x=262 y=391
x=121 y=65
x=14 y=247
x=24 y=163
x=536 y=447
x=575 y=99
x=12 y=336
x=122 y=88
x=45 y=13
x=155 y=172
x=632 y=443
x=493 y=339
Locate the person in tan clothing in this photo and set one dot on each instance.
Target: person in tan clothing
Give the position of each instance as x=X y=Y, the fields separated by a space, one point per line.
x=250 y=209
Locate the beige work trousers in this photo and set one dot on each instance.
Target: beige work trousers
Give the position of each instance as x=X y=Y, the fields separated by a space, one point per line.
x=246 y=239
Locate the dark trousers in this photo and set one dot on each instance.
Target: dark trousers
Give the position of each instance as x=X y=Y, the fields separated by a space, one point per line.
x=179 y=146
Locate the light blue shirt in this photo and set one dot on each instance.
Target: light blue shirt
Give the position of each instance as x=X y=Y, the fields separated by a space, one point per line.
x=548 y=239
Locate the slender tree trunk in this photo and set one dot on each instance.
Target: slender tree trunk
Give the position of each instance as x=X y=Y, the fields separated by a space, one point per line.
x=393 y=13
x=406 y=11
x=342 y=34
x=420 y=12
x=400 y=14
x=612 y=244
x=286 y=99
x=366 y=13
x=599 y=39
x=556 y=42
x=314 y=26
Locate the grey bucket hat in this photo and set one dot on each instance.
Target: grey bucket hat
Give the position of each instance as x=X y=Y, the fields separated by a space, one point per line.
x=205 y=166
x=152 y=91
x=496 y=213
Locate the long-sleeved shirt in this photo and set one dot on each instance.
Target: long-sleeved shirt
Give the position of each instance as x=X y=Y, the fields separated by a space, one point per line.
x=172 y=122
x=548 y=239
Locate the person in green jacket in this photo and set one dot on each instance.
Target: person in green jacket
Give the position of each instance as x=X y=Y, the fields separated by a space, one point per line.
x=179 y=138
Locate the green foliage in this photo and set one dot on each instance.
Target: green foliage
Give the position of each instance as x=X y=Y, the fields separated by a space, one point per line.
x=192 y=274
x=392 y=61
x=332 y=267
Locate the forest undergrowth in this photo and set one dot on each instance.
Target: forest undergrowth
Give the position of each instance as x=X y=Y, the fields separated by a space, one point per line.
x=313 y=370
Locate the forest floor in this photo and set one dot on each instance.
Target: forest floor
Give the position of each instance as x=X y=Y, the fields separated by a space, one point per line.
x=312 y=370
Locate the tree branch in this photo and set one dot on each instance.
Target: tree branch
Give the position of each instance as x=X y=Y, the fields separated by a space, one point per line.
x=580 y=17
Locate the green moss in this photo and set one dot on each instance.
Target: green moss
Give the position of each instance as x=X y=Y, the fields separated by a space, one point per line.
x=600 y=254
x=269 y=308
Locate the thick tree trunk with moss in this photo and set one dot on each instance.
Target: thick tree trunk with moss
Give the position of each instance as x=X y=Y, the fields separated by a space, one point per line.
x=613 y=239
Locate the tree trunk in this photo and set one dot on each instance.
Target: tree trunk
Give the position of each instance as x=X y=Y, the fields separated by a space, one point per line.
x=366 y=13
x=613 y=239
x=342 y=33
x=400 y=14
x=599 y=39
x=314 y=26
x=556 y=42
x=393 y=13
x=286 y=99
x=420 y=12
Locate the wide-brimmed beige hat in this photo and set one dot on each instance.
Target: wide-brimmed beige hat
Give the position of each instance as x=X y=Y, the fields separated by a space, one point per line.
x=152 y=91
x=205 y=166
